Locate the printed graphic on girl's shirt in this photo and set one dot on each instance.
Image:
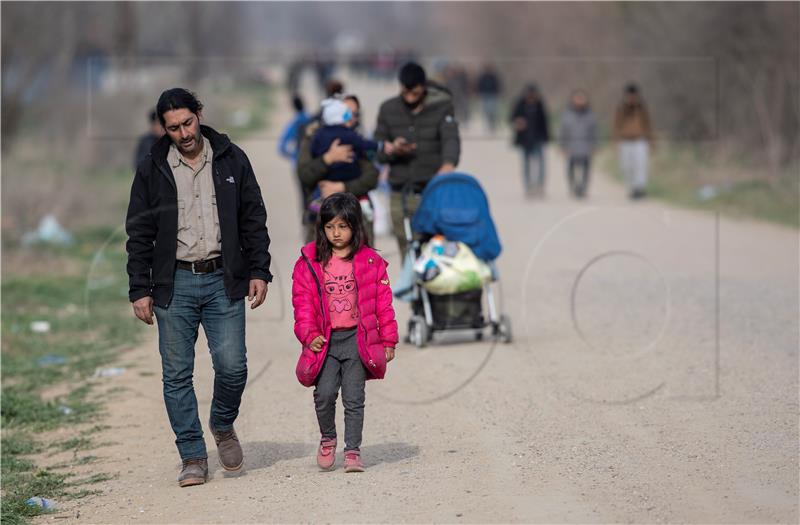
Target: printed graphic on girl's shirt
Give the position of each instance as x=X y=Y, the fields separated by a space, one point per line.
x=340 y=289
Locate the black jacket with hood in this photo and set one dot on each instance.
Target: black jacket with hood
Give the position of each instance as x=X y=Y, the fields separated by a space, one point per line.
x=152 y=222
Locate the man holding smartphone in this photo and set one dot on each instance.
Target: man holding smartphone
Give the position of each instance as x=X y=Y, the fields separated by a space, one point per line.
x=422 y=117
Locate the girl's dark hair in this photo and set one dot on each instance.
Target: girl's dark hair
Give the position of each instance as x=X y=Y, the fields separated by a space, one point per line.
x=177 y=98
x=346 y=207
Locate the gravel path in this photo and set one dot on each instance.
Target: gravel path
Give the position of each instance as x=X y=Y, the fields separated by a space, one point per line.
x=661 y=386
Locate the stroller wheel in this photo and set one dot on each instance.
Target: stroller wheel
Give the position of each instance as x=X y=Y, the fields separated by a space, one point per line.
x=504 y=329
x=418 y=331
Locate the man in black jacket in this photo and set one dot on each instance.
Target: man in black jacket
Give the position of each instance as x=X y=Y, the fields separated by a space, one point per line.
x=422 y=117
x=529 y=120
x=197 y=245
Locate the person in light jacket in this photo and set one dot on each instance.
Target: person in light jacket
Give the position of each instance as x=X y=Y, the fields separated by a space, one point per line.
x=577 y=137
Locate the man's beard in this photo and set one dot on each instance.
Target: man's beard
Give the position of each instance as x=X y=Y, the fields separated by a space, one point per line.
x=195 y=145
x=416 y=104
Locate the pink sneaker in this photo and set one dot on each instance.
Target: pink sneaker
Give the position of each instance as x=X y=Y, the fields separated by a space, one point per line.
x=326 y=455
x=352 y=461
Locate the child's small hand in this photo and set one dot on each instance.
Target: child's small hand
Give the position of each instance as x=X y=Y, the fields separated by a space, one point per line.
x=316 y=344
x=389 y=353
x=388 y=148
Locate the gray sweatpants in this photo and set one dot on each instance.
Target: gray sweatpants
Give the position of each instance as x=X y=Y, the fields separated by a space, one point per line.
x=633 y=160
x=343 y=368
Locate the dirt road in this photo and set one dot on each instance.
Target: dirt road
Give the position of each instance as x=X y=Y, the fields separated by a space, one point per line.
x=653 y=378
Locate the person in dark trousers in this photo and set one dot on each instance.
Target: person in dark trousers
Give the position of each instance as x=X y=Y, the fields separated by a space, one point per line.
x=422 y=118
x=147 y=140
x=529 y=119
x=197 y=246
x=578 y=138
x=490 y=88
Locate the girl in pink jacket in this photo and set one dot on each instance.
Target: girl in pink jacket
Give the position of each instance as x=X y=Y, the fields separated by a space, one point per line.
x=344 y=319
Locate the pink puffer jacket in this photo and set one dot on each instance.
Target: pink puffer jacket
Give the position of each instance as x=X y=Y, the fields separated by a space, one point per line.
x=377 y=327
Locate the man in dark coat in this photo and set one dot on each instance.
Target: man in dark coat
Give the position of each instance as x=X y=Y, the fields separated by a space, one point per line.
x=422 y=118
x=197 y=246
x=490 y=88
x=529 y=119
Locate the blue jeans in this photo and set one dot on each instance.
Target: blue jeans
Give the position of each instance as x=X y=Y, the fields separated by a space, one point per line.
x=537 y=153
x=201 y=299
x=578 y=182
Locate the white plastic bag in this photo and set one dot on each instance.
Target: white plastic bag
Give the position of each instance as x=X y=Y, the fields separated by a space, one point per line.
x=448 y=267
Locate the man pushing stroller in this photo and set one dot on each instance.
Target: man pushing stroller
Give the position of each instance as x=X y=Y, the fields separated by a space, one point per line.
x=423 y=118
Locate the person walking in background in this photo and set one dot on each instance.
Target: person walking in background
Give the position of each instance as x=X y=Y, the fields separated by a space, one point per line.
x=288 y=142
x=456 y=80
x=490 y=88
x=147 y=140
x=422 y=117
x=578 y=138
x=529 y=120
x=337 y=124
x=633 y=131
x=314 y=172
x=345 y=322
x=197 y=246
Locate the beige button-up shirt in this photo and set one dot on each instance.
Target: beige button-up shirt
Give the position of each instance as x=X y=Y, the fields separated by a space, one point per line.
x=199 y=236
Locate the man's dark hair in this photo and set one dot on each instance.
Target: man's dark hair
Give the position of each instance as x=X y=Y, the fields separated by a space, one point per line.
x=297 y=102
x=412 y=75
x=346 y=207
x=333 y=87
x=532 y=88
x=631 y=88
x=353 y=98
x=153 y=116
x=177 y=98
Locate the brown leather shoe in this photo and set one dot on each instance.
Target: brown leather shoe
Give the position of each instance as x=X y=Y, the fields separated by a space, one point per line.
x=229 y=450
x=194 y=472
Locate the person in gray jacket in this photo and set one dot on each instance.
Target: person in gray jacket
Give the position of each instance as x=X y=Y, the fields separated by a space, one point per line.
x=578 y=138
x=422 y=125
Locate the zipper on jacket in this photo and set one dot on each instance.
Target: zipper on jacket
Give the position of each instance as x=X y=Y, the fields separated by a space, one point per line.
x=360 y=317
x=219 y=217
x=319 y=292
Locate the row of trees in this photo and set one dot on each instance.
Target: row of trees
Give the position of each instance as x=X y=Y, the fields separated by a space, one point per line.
x=727 y=74
x=721 y=73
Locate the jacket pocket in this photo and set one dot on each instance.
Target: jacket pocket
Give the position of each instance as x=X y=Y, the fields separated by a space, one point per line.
x=309 y=365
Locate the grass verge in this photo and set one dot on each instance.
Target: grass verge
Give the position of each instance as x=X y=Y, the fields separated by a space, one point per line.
x=57 y=329
x=65 y=313
x=685 y=177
